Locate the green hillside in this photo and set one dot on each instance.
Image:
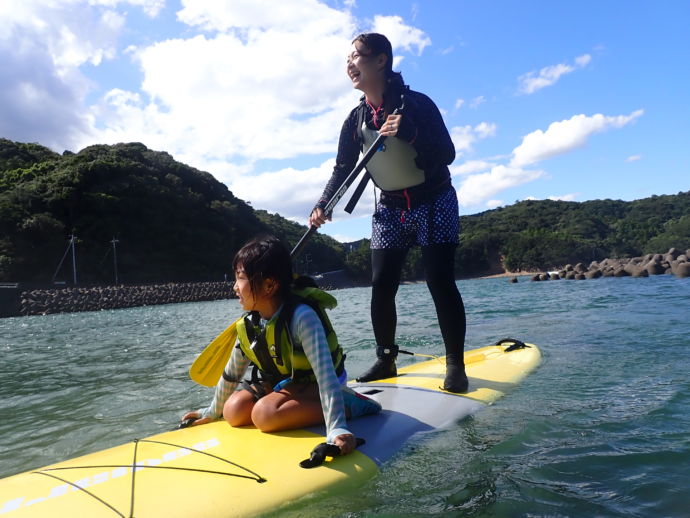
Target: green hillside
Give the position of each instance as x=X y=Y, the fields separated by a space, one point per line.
x=539 y=235
x=546 y=235
x=171 y=221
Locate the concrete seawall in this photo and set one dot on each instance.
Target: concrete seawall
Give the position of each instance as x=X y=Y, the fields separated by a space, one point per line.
x=16 y=301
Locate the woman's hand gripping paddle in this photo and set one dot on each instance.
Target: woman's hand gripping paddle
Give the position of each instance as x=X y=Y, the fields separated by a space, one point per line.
x=208 y=366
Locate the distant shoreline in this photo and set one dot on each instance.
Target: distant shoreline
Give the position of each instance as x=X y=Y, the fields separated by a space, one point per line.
x=505 y=275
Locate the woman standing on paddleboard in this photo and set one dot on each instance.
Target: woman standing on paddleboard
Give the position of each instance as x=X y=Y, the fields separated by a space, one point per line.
x=417 y=206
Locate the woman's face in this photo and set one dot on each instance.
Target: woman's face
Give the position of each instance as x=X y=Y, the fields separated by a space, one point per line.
x=363 y=68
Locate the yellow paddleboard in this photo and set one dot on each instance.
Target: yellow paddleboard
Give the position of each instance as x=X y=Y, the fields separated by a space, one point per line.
x=215 y=470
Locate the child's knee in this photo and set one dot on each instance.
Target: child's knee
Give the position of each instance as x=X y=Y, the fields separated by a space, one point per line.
x=263 y=415
x=237 y=410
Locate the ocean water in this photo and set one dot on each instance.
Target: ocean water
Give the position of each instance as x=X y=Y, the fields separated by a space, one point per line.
x=600 y=429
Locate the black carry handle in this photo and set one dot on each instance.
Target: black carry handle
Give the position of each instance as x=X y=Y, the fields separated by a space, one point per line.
x=516 y=344
x=321 y=451
x=187 y=423
x=328 y=209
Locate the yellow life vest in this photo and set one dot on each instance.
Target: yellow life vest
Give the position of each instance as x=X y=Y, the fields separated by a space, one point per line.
x=272 y=348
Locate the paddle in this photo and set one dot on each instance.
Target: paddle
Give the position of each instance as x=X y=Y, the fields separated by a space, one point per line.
x=208 y=366
x=328 y=209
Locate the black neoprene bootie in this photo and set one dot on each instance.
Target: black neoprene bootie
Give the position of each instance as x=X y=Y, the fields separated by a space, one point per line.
x=384 y=366
x=456 y=379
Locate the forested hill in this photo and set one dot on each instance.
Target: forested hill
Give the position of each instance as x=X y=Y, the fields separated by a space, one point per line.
x=171 y=221
x=539 y=235
x=547 y=235
x=175 y=223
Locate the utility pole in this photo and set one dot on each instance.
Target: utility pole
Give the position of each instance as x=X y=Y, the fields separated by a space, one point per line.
x=114 y=242
x=74 y=258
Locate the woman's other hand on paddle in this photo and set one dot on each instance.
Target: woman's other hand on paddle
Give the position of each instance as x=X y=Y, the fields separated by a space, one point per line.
x=346 y=442
x=197 y=419
x=317 y=218
x=391 y=126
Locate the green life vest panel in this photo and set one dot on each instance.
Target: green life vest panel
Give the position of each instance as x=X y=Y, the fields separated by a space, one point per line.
x=272 y=348
x=393 y=168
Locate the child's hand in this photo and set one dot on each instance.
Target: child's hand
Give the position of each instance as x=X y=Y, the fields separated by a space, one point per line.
x=197 y=418
x=346 y=442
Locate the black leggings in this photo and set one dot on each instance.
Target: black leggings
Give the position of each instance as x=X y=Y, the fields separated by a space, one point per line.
x=438 y=262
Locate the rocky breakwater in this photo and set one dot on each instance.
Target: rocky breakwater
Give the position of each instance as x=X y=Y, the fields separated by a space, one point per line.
x=65 y=300
x=672 y=262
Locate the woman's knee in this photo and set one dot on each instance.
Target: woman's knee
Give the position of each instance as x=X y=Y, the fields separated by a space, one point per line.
x=386 y=266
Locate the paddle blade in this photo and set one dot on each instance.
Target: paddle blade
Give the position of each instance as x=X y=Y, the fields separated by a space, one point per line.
x=209 y=365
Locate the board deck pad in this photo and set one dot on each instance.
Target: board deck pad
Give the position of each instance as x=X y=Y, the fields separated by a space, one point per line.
x=215 y=470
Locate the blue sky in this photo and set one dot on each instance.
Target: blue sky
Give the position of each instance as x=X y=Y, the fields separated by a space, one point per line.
x=562 y=100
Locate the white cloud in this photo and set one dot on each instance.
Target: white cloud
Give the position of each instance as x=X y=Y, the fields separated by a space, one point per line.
x=288 y=191
x=560 y=137
x=565 y=197
x=401 y=35
x=564 y=136
x=151 y=7
x=476 y=188
x=547 y=76
x=459 y=103
x=43 y=44
x=297 y=16
x=246 y=92
x=633 y=158
x=492 y=204
x=583 y=61
x=465 y=136
x=484 y=130
x=477 y=101
x=241 y=95
x=562 y=197
x=293 y=192
x=414 y=11
x=471 y=166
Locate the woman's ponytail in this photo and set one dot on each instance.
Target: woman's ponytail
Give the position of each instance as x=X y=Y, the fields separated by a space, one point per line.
x=395 y=86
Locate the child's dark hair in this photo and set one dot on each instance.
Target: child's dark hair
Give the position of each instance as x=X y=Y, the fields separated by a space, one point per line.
x=379 y=44
x=265 y=257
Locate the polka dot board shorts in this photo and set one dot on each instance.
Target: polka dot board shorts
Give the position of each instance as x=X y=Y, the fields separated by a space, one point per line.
x=434 y=222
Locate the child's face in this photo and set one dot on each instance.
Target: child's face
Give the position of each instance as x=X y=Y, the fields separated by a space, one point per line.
x=243 y=290
x=249 y=300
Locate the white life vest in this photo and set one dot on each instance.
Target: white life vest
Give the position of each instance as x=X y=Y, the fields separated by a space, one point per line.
x=393 y=168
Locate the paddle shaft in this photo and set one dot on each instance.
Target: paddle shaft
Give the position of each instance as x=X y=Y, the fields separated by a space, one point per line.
x=328 y=209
